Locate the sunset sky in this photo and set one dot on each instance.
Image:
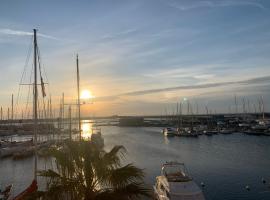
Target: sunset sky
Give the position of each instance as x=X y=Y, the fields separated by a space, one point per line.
x=141 y=56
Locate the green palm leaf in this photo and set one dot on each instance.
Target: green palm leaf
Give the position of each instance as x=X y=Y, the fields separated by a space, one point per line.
x=85 y=171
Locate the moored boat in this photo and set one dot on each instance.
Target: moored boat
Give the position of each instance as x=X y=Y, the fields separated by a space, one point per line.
x=186 y=132
x=9 y=151
x=175 y=183
x=28 y=191
x=257 y=130
x=169 y=131
x=27 y=152
x=225 y=131
x=5 y=144
x=96 y=137
x=208 y=133
x=211 y=132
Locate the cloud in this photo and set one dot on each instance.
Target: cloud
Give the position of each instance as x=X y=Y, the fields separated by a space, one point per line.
x=214 y=4
x=119 y=34
x=24 y=33
x=257 y=80
x=191 y=71
x=204 y=76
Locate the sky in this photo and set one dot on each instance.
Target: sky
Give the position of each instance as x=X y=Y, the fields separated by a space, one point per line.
x=140 y=57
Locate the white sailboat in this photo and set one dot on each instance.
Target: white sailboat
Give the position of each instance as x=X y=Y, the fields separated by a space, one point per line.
x=33 y=186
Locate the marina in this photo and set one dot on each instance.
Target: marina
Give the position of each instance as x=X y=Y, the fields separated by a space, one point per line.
x=226 y=164
x=135 y=100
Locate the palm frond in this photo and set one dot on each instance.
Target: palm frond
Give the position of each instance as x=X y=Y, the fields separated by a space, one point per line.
x=124 y=175
x=49 y=173
x=85 y=171
x=131 y=191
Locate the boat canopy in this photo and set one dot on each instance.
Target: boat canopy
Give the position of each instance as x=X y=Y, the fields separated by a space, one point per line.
x=175 y=172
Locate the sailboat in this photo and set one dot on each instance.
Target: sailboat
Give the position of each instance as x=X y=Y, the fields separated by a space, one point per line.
x=28 y=191
x=33 y=186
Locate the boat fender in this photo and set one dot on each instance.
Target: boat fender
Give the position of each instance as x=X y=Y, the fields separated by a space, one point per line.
x=202 y=184
x=247 y=188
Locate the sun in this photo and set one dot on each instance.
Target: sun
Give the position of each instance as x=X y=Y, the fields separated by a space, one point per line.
x=87 y=94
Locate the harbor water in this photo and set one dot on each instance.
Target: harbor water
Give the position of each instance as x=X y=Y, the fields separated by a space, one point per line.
x=226 y=164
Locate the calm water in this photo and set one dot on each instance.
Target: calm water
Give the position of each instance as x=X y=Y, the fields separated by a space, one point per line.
x=225 y=163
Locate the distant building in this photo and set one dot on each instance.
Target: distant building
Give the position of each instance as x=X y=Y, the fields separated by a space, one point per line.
x=131 y=121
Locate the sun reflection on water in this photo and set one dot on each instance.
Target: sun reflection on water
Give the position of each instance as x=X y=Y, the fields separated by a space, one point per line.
x=86 y=130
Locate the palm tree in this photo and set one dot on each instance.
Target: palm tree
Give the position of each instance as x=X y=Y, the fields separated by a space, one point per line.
x=85 y=171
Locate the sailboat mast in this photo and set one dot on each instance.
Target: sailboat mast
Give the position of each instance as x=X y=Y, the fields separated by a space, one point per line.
x=181 y=120
x=262 y=107
x=63 y=110
x=177 y=114
x=235 y=102
x=51 y=116
x=8 y=115
x=12 y=110
x=69 y=114
x=78 y=93
x=35 y=101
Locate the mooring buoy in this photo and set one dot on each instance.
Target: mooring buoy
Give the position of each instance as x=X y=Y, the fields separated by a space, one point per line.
x=263 y=180
x=202 y=184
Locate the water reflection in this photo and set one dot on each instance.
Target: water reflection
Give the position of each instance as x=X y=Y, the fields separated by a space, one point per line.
x=225 y=163
x=86 y=129
x=166 y=140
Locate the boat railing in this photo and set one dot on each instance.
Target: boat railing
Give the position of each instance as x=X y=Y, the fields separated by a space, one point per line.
x=175 y=172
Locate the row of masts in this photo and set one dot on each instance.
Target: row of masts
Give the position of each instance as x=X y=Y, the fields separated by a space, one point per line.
x=42 y=112
x=50 y=112
x=187 y=108
x=35 y=102
x=46 y=109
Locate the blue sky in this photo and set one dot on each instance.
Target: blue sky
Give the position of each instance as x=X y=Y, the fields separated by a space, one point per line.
x=143 y=45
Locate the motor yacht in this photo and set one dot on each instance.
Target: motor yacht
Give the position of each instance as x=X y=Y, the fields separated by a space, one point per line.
x=175 y=183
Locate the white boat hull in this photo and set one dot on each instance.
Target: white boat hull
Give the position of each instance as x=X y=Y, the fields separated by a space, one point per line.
x=174 y=183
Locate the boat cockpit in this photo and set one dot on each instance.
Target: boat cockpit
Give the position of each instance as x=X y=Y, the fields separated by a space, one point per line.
x=175 y=172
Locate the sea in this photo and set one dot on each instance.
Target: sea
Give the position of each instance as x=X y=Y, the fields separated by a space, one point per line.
x=225 y=164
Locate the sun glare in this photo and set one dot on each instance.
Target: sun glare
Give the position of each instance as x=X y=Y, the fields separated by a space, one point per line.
x=86 y=94
x=86 y=130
